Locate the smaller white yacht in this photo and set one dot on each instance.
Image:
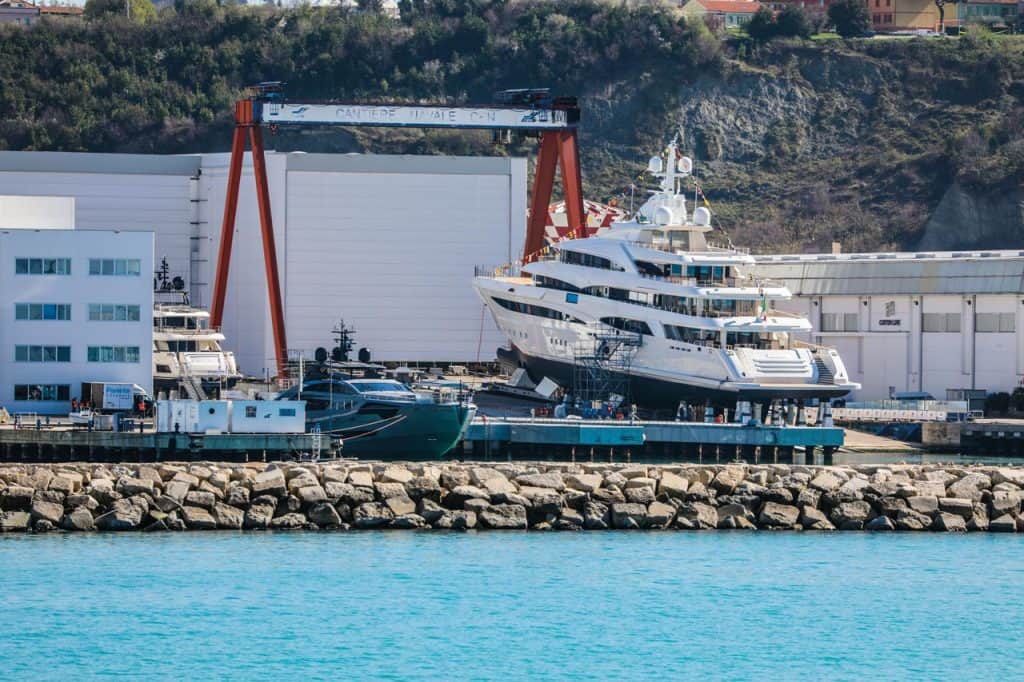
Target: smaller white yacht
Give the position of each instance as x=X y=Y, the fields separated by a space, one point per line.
x=652 y=300
x=187 y=354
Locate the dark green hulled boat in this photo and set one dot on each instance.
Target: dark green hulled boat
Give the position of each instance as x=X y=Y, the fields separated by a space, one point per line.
x=382 y=418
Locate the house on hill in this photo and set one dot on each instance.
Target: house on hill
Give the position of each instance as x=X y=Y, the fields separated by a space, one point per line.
x=732 y=13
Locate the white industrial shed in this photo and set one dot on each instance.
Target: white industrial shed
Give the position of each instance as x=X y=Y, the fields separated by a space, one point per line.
x=908 y=322
x=386 y=242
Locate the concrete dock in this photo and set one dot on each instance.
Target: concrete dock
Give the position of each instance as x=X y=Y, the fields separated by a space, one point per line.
x=578 y=440
x=63 y=444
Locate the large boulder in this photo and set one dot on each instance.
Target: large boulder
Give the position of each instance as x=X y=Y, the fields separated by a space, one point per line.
x=400 y=505
x=237 y=496
x=696 y=516
x=49 y=511
x=504 y=516
x=324 y=515
x=850 y=513
x=226 y=516
x=12 y=521
x=596 y=515
x=880 y=523
x=969 y=487
x=269 y=482
x=430 y=510
x=659 y=515
x=79 y=518
x=1004 y=502
x=825 y=482
x=135 y=486
x=640 y=495
x=200 y=498
x=908 y=519
x=361 y=479
x=372 y=515
x=1003 y=524
x=950 y=523
x=16 y=498
x=420 y=487
x=727 y=479
x=629 y=515
x=775 y=515
x=457 y=520
x=673 y=485
x=258 y=516
x=177 y=490
x=409 y=522
x=292 y=521
x=310 y=495
x=587 y=483
x=198 y=518
x=550 y=480
x=961 y=506
x=396 y=474
x=125 y=514
x=812 y=518
x=925 y=504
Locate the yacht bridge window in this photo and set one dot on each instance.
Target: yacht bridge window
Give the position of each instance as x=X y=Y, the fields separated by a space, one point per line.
x=588 y=260
x=552 y=283
x=535 y=310
x=628 y=325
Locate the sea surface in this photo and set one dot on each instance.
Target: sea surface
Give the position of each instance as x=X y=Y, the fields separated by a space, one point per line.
x=512 y=606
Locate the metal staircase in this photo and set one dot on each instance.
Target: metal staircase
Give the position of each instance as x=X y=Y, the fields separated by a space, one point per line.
x=602 y=363
x=825 y=375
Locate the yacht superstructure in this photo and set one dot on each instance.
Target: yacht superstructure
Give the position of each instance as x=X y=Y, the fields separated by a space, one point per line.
x=653 y=299
x=187 y=354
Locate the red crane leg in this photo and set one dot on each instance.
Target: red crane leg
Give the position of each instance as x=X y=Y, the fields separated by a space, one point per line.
x=572 y=182
x=227 y=229
x=543 y=184
x=259 y=166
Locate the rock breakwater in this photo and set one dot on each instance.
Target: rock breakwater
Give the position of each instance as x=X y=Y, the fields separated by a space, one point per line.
x=539 y=496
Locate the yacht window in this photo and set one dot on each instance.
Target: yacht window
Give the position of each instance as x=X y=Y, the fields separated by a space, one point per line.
x=759 y=340
x=650 y=269
x=587 y=260
x=380 y=386
x=535 y=310
x=165 y=369
x=701 y=337
x=627 y=325
x=552 y=283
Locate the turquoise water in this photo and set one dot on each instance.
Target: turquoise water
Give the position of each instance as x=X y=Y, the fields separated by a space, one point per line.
x=401 y=605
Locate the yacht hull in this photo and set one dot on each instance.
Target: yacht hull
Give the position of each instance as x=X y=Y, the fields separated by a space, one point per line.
x=662 y=394
x=384 y=430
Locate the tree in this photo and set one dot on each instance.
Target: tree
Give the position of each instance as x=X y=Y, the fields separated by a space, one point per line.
x=761 y=26
x=139 y=11
x=792 y=22
x=850 y=17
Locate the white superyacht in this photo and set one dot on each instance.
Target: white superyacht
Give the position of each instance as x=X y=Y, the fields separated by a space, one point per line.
x=650 y=298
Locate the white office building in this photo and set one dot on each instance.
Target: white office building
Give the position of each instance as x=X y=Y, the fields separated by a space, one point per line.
x=386 y=242
x=77 y=306
x=913 y=322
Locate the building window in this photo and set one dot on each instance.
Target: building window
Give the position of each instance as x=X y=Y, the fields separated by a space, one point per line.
x=47 y=392
x=42 y=353
x=250 y=411
x=120 y=267
x=940 y=322
x=286 y=412
x=113 y=354
x=42 y=266
x=42 y=311
x=113 y=312
x=839 y=322
x=992 y=323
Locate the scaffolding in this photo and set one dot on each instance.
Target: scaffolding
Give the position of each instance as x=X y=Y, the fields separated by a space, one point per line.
x=602 y=364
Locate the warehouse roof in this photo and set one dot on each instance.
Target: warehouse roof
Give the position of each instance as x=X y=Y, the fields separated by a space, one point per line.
x=953 y=272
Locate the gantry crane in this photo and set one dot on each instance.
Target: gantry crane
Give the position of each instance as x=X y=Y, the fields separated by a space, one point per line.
x=527 y=111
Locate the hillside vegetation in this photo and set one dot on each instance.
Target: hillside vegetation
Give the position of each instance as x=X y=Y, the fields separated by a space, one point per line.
x=874 y=143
